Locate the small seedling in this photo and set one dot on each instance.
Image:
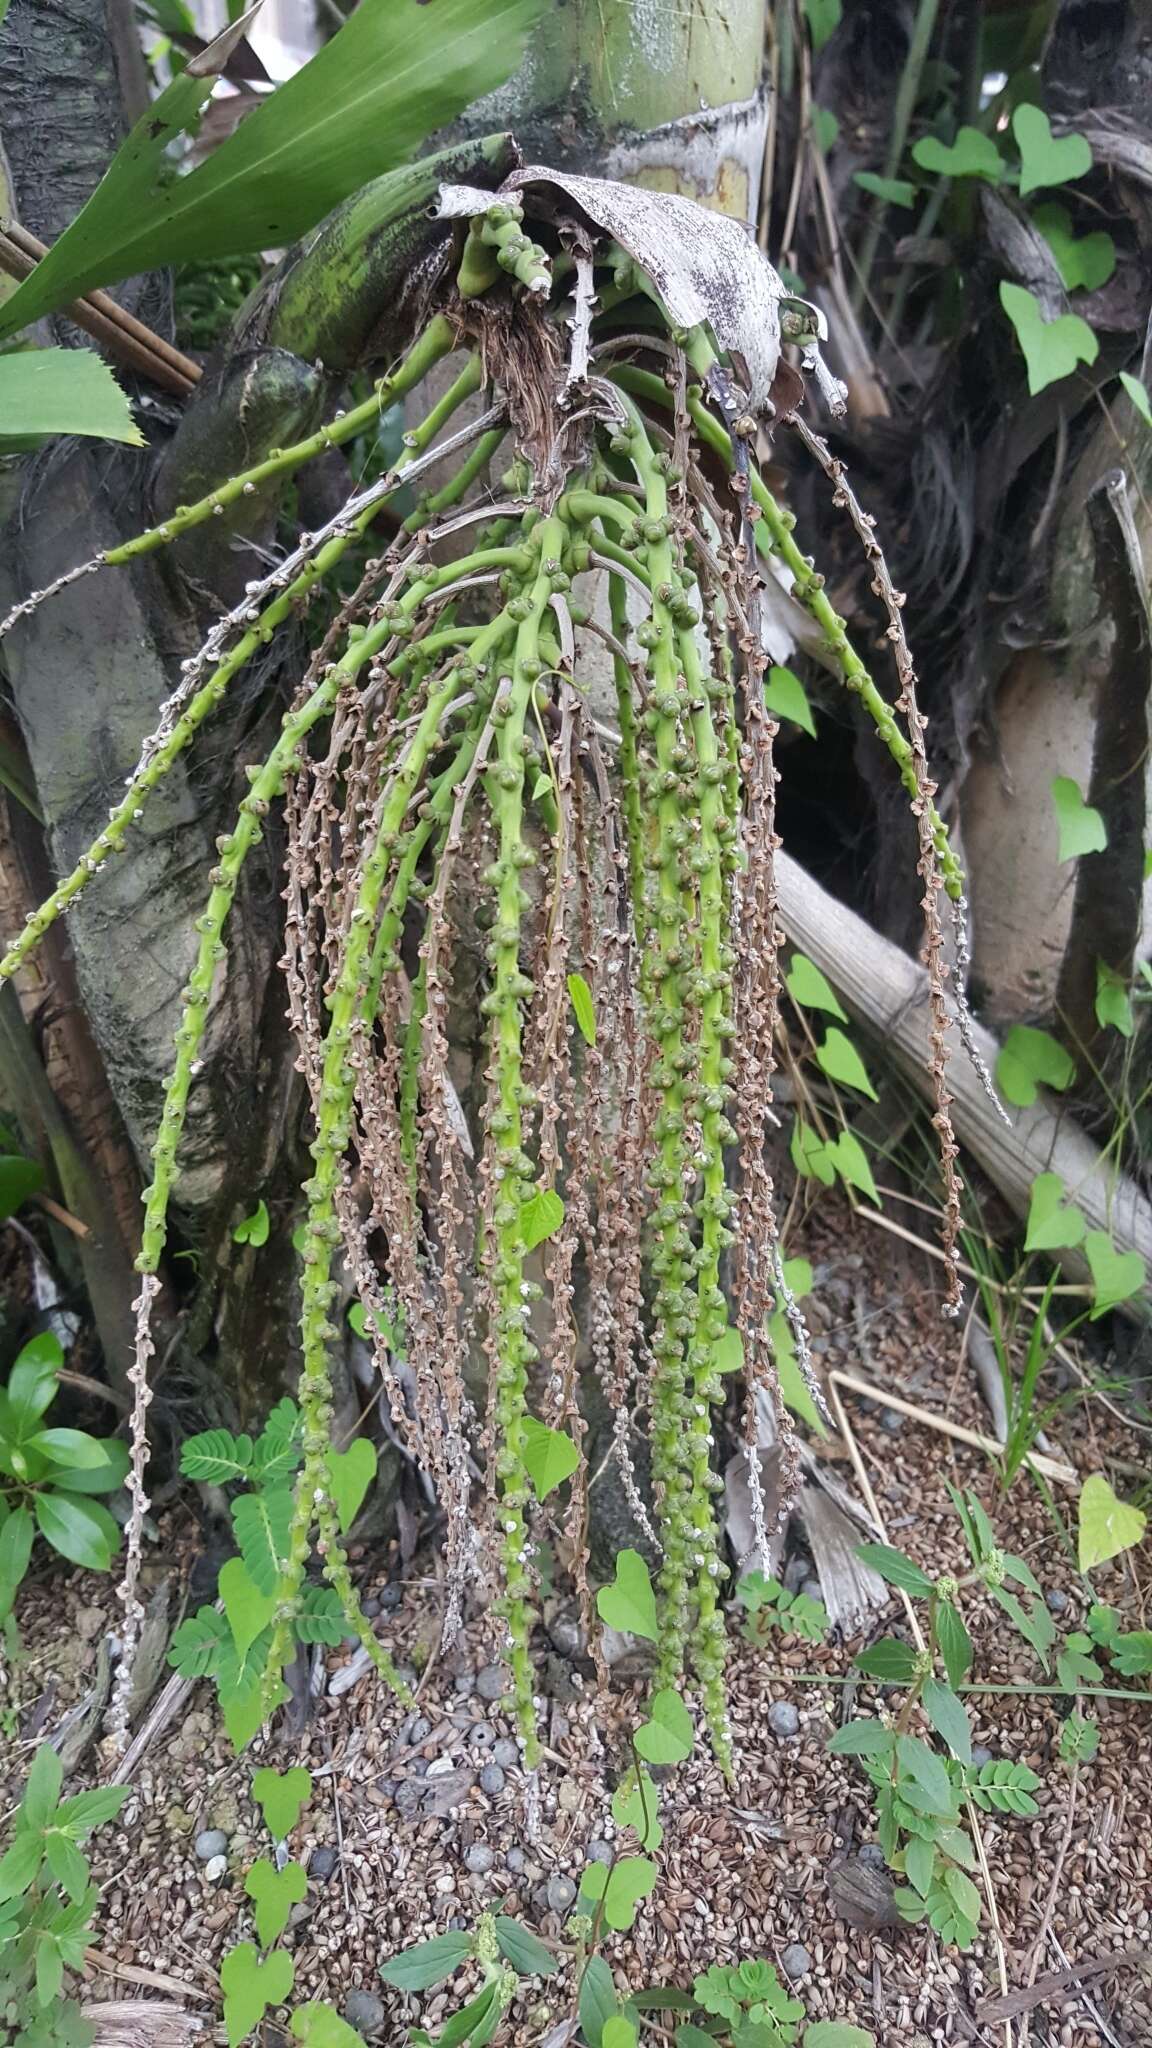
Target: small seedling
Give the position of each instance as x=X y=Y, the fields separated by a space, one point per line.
x=770 y=1605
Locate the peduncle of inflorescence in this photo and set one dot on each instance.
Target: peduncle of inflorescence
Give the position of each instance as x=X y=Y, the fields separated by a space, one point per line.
x=445 y=766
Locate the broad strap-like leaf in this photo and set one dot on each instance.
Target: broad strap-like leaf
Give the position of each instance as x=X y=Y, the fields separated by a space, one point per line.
x=47 y=391
x=394 y=73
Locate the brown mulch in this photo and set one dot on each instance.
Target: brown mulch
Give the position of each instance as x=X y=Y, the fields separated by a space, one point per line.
x=744 y=1869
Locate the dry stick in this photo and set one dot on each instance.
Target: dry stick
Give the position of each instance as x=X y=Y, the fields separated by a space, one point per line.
x=118 y=332
x=1049 y=1468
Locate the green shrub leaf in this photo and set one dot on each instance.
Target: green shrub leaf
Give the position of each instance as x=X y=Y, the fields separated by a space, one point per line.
x=263 y=1522
x=598 y=2000
x=81 y=1530
x=890 y=1661
x=897 y=1569
x=948 y=1717
x=954 y=1641
x=525 y=1951
x=426 y=1965
x=215 y=1457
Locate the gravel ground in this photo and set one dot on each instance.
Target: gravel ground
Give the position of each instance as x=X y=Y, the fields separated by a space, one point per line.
x=419 y=1818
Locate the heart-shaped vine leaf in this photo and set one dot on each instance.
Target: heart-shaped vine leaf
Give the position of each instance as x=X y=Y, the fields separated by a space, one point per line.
x=1113 y=1003
x=1081 y=827
x=971 y=155
x=274 y=1893
x=1047 y=159
x=1106 y=1525
x=250 y=1987
x=629 y=1604
x=540 y=1217
x=839 y=1059
x=621 y=1886
x=810 y=1155
x=635 y=1805
x=896 y=191
x=808 y=987
x=249 y=1611
x=1052 y=1224
x=786 y=697
x=350 y=1474
x=253 y=1229
x=823 y=18
x=1029 y=1058
x=550 y=1456
x=318 y=2026
x=1116 y=1276
x=1085 y=262
x=850 y=1160
x=583 y=1009
x=667 y=1736
x=1052 y=348
x=281 y=1795
x=1139 y=396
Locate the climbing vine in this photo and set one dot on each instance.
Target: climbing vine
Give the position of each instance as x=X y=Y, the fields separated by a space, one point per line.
x=542 y=714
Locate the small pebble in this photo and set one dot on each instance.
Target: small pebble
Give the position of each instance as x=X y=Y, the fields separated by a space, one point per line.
x=561 y=1892
x=492 y=1779
x=371 y=1608
x=795 y=1961
x=980 y=1755
x=215 y=1869
x=322 y=1861
x=364 y=2011
x=416 y=1730
x=872 y=1856
x=478 y=1859
x=480 y=1736
x=599 y=1852
x=213 y=1842
x=1057 y=1600
x=514 y=1859
x=465 y=1683
x=390 y=1598
x=893 y=1423
x=783 y=1719
x=507 y=1753
x=491 y=1683
x=408 y=1801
